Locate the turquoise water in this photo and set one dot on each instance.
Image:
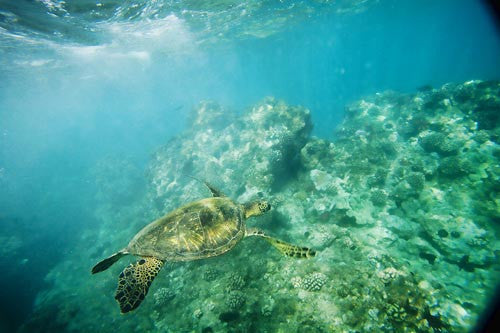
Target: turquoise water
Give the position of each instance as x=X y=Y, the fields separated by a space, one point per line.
x=103 y=113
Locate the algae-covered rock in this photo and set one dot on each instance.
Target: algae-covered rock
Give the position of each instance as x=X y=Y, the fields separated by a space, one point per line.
x=210 y=115
x=253 y=153
x=316 y=153
x=439 y=182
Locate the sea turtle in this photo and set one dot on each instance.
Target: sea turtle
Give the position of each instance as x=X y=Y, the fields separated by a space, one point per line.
x=201 y=229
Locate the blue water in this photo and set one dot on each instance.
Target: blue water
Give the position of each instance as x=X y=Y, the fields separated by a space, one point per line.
x=82 y=83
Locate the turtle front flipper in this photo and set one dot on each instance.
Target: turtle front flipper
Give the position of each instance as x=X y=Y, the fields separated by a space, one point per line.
x=215 y=192
x=134 y=282
x=284 y=247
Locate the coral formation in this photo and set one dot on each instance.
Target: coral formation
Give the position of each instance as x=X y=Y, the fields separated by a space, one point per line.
x=235 y=281
x=403 y=208
x=210 y=274
x=439 y=143
x=235 y=300
x=378 y=197
x=311 y=282
x=163 y=295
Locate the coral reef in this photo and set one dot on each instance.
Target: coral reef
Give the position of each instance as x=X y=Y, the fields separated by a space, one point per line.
x=403 y=208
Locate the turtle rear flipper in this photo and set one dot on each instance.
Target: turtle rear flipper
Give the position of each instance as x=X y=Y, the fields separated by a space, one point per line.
x=134 y=282
x=106 y=263
x=284 y=247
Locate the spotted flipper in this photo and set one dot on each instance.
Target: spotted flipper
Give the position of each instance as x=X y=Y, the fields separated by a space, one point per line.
x=284 y=247
x=134 y=282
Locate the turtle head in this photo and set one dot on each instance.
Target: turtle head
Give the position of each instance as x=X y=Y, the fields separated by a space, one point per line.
x=256 y=208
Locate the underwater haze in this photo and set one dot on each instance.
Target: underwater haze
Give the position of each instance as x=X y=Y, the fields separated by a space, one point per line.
x=372 y=127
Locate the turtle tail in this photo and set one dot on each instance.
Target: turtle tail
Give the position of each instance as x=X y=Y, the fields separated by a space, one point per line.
x=106 y=263
x=134 y=282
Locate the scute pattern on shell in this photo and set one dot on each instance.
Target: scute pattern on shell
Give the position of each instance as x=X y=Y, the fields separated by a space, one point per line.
x=201 y=229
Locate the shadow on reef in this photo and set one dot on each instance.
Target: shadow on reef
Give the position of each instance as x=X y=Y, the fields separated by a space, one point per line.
x=403 y=207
